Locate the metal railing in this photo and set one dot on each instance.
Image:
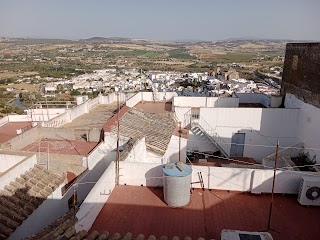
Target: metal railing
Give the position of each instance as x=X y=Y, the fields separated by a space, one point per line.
x=195 y=120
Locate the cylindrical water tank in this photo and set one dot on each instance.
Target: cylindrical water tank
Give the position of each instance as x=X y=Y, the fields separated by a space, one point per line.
x=176 y=184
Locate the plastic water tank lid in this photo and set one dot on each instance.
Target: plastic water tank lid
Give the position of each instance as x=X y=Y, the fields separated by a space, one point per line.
x=173 y=170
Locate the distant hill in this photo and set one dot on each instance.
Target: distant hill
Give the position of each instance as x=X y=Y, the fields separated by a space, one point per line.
x=106 y=40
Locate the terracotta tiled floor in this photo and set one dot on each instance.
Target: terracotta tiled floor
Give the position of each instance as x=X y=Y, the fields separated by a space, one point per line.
x=71 y=147
x=142 y=210
x=9 y=130
x=154 y=107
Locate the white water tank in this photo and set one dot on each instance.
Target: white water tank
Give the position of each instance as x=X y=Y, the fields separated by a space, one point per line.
x=176 y=184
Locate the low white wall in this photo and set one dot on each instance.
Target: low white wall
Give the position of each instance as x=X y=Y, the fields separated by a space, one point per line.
x=43 y=114
x=99 y=153
x=307 y=124
x=205 y=101
x=134 y=100
x=21 y=167
x=96 y=199
x=59 y=120
x=112 y=97
x=166 y=96
x=189 y=101
x=172 y=152
x=19 y=118
x=254 y=98
x=51 y=209
x=9 y=160
x=138 y=153
x=222 y=178
x=180 y=114
x=285 y=182
x=4 y=120
x=137 y=174
x=22 y=140
x=79 y=110
x=92 y=103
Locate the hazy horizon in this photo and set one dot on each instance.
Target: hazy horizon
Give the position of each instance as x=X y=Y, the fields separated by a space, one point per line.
x=202 y=20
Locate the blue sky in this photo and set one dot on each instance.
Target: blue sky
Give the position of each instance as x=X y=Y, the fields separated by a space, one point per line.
x=162 y=19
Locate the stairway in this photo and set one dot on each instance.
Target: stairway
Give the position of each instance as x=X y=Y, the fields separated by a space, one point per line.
x=193 y=119
x=200 y=142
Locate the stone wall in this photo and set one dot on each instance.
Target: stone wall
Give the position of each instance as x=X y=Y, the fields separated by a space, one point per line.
x=301 y=73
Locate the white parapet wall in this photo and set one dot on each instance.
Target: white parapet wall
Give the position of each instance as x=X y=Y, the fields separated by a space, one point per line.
x=134 y=100
x=96 y=199
x=307 y=124
x=4 y=121
x=150 y=96
x=172 y=152
x=205 y=102
x=19 y=118
x=137 y=174
x=254 y=98
x=21 y=166
x=222 y=178
x=9 y=160
x=22 y=140
x=43 y=114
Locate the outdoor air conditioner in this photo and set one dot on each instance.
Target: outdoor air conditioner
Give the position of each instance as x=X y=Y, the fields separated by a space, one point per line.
x=309 y=192
x=243 y=235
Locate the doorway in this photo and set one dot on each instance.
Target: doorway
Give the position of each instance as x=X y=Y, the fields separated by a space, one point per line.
x=237 y=146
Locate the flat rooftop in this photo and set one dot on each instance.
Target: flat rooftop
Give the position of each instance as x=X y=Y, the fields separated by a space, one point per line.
x=218 y=161
x=154 y=107
x=96 y=117
x=9 y=130
x=251 y=105
x=70 y=147
x=142 y=210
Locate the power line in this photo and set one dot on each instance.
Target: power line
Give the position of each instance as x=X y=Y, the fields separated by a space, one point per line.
x=252 y=145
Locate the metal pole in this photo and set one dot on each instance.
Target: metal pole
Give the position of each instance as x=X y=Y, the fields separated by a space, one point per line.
x=74 y=201
x=273 y=183
x=118 y=140
x=48 y=155
x=47 y=109
x=180 y=141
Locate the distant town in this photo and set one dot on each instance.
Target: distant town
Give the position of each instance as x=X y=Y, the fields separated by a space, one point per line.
x=37 y=70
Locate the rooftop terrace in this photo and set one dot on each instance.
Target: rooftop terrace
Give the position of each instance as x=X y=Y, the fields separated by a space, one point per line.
x=9 y=130
x=142 y=210
x=96 y=118
x=70 y=147
x=154 y=107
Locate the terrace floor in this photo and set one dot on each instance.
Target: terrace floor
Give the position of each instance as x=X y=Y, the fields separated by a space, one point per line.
x=9 y=130
x=142 y=210
x=154 y=107
x=96 y=117
x=70 y=147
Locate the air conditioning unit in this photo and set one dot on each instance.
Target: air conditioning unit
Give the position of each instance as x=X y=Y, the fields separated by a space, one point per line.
x=243 y=235
x=309 y=192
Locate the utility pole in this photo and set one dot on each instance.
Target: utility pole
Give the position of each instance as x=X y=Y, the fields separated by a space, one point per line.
x=118 y=141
